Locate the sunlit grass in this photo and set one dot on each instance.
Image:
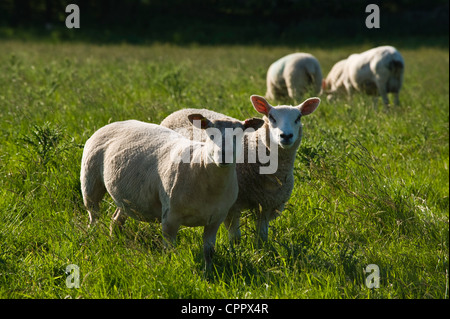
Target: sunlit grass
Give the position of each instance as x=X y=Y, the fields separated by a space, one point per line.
x=371 y=184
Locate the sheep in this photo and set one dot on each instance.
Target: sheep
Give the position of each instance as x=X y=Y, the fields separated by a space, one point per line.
x=378 y=71
x=153 y=173
x=266 y=194
x=334 y=81
x=293 y=75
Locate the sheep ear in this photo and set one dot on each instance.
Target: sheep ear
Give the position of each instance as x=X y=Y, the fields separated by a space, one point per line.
x=204 y=122
x=309 y=106
x=260 y=104
x=254 y=123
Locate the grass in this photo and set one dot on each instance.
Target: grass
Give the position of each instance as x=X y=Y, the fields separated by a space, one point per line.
x=372 y=186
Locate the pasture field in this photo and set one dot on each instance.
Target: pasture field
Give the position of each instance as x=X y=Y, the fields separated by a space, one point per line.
x=372 y=185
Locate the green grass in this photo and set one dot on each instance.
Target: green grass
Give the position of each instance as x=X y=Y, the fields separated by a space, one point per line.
x=372 y=186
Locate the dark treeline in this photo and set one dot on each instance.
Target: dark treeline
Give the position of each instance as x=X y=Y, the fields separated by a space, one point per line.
x=215 y=21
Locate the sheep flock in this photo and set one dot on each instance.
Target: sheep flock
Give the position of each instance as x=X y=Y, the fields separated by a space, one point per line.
x=203 y=168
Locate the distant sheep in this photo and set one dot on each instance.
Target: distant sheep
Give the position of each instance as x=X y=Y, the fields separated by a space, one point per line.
x=292 y=76
x=153 y=173
x=334 y=82
x=378 y=71
x=265 y=194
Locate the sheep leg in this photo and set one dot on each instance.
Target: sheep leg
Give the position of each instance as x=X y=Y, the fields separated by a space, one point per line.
x=209 y=241
x=296 y=85
x=170 y=231
x=276 y=92
x=375 y=102
x=232 y=223
x=381 y=86
x=93 y=214
x=269 y=93
x=119 y=219
x=396 y=99
x=384 y=97
x=294 y=93
x=349 y=89
x=93 y=207
x=93 y=191
x=262 y=228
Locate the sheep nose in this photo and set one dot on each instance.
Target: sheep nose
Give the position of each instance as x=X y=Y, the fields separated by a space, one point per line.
x=286 y=136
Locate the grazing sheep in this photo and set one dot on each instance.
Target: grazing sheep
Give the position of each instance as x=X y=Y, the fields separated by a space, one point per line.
x=154 y=173
x=265 y=194
x=334 y=84
x=292 y=76
x=378 y=71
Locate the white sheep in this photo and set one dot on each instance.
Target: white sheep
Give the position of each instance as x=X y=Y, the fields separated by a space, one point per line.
x=333 y=83
x=292 y=76
x=378 y=71
x=265 y=194
x=153 y=173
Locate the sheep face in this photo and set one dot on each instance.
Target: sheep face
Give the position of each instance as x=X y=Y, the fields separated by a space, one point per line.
x=224 y=142
x=285 y=127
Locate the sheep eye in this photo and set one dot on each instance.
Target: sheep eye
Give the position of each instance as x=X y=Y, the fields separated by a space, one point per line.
x=298 y=119
x=272 y=118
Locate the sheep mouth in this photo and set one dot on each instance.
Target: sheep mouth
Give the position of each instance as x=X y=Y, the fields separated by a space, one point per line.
x=286 y=144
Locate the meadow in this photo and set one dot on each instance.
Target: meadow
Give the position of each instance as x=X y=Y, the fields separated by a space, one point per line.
x=372 y=185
